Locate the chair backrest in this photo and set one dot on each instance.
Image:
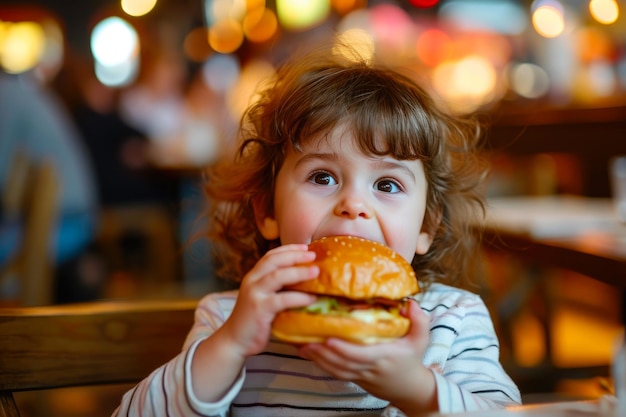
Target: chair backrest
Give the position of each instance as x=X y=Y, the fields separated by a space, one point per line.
x=87 y=344
x=13 y=194
x=31 y=200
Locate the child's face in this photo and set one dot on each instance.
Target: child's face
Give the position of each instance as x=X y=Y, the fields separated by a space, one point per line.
x=332 y=188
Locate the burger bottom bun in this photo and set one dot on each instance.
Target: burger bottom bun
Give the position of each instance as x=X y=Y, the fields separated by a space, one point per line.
x=300 y=327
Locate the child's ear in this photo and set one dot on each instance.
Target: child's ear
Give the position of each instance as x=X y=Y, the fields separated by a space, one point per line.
x=267 y=224
x=268 y=227
x=427 y=234
x=424 y=240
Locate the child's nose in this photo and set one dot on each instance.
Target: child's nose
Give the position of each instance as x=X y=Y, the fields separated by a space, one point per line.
x=353 y=207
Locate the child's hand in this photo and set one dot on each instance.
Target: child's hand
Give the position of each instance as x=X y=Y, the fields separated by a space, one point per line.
x=392 y=371
x=260 y=296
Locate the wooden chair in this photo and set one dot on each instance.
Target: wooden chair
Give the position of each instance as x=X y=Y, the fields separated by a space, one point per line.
x=31 y=199
x=87 y=344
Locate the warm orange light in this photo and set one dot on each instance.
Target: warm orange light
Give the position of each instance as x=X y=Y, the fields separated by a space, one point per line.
x=138 y=7
x=260 y=25
x=548 y=20
x=604 y=11
x=346 y=6
x=22 y=46
x=226 y=36
x=434 y=46
x=593 y=44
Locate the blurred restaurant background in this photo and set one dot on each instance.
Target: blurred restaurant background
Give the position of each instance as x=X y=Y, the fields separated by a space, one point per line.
x=121 y=104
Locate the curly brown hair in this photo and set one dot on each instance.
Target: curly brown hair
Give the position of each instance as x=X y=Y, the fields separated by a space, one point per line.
x=307 y=98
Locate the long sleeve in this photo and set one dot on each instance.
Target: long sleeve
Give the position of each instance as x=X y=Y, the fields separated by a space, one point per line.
x=464 y=353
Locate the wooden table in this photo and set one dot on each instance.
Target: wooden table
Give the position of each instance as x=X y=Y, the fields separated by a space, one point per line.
x=604 y=407
x=575 y=233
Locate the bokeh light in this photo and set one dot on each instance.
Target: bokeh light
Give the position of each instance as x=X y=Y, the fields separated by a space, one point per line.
x=392 y=27
x=260 y=24
x=604 y=11
x=502 y=16
x=138 y=7
x=434 y=46
x=221 y=72
x=529 y=80
x=21 y=45
x=357 y=19
x=344 y=7
x=114 y=41
x=593 y=44
x=548 y=18
x=301 y=14
x=424 y=3
x=226 y=35
x=465 y=84
x=118 y=75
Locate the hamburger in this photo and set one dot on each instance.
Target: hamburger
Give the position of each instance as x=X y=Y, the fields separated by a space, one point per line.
x=361 y=288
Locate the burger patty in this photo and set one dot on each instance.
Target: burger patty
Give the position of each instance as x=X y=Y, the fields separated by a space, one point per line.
x=347 y=306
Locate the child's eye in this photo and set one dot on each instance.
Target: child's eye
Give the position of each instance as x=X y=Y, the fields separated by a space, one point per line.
x=322 y=178
x=388 y=186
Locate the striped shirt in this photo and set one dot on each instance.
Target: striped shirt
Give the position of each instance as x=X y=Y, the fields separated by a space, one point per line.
x=463 y=354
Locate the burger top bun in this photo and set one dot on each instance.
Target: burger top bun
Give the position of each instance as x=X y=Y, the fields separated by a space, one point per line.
x=358 y=268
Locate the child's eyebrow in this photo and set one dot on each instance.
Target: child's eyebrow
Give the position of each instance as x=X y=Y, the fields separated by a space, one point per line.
x=395 y=164
x=324 y=156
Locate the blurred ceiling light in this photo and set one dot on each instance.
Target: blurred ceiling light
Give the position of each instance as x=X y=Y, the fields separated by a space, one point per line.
x=226 y=36
x=118 y=75
x=434 y=46
x=260 y=24
x=114 y=41
x=137 y=7
x=221 y=72
x=604 y=11
x=355 y=45
x=548 y=18
x=503 y=16
x=465 y=84
x=22 y=46
x=529 y=80
x=302 y=14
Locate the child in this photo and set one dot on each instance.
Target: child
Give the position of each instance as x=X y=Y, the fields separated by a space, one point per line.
x=335 y=146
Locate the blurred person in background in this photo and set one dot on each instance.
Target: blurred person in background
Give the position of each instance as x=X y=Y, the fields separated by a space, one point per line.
x=130 y=187
x=35 y=122
x=120 y=153
x=155 y=103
